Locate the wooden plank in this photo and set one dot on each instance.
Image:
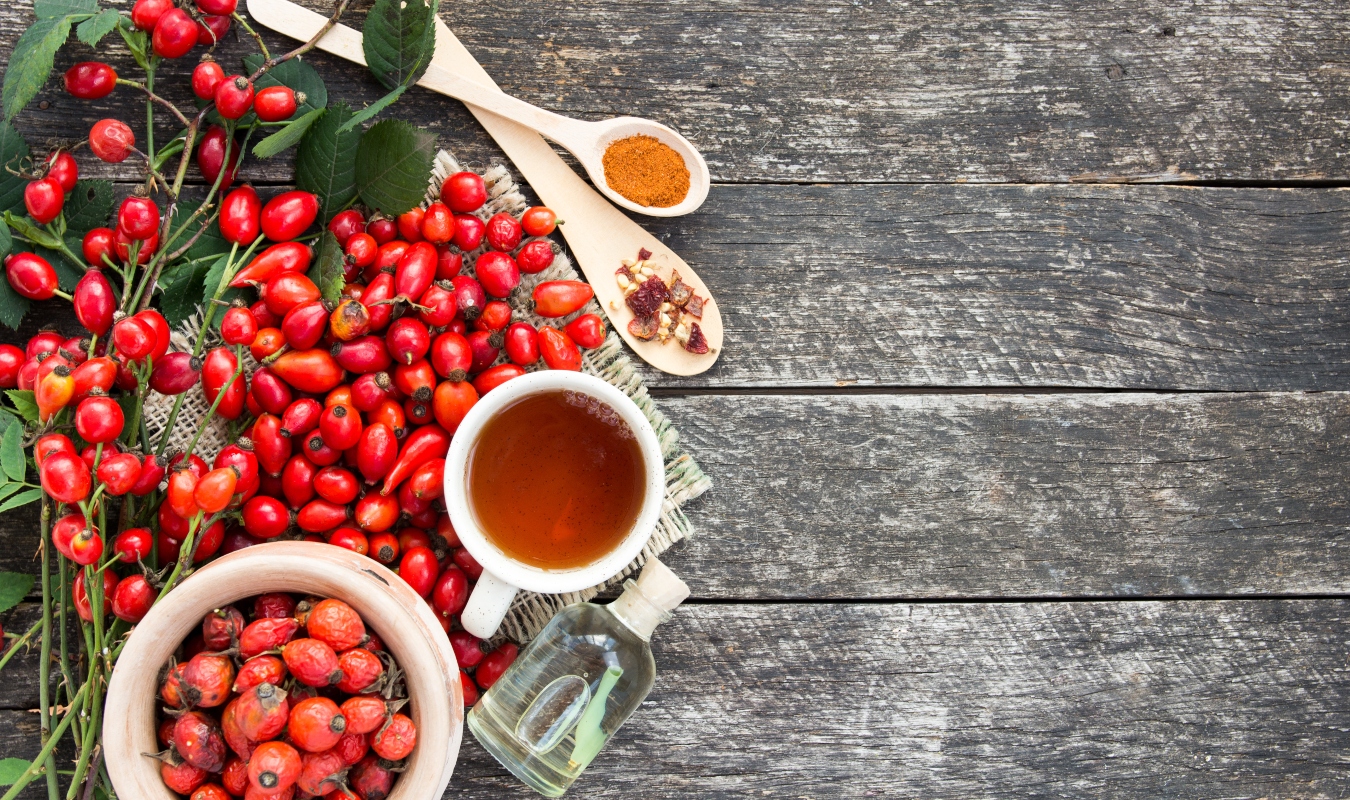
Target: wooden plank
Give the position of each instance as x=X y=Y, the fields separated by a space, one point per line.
x=1017 y=286
x=1064 y=286
x=1016 y=496
x=890 y=90
x=1178 y=699
x=963 y=496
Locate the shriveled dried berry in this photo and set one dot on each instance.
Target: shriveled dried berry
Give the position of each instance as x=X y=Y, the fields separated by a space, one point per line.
x=648 y=298
x=644 y=328
x=698 y=343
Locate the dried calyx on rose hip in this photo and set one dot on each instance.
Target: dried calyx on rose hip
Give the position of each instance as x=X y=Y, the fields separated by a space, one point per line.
x=661 y=310
x=296 y=697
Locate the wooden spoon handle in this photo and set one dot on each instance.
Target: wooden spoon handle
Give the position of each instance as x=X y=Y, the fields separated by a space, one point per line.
x=600 y=235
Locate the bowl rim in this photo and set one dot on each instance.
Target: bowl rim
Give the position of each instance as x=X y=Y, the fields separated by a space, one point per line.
x=406 y=625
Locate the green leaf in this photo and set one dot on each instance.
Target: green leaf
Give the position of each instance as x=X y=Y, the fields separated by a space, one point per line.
x=51 y=9
x=7 y=489
x=88 y=206
x=214 y=275
x=16 y=501
x=288 y=136
x=92 y=30
x=24 y=403
x=399 y=39
x=295 y=74
x=11 y=769
x=14 y=585
x=31 y=62
x=11 y=452
x=6 y=240
x=325 y=164
x=393 y=165
x=183 y=292
x=13 y=150
x=210 y=243
x=13 y=307
x=374 y=108
x=327 y=272
x=28 y=230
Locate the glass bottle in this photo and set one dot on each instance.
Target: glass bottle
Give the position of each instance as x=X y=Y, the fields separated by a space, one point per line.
x=552 y=711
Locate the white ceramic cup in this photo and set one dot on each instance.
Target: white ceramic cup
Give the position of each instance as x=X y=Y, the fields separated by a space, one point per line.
x=503 y=575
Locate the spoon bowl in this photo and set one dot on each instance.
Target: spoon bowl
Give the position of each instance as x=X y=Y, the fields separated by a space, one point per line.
x=591 y=155
x=585 y=140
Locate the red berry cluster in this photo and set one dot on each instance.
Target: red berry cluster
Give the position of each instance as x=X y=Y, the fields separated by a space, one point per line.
x=309 y=704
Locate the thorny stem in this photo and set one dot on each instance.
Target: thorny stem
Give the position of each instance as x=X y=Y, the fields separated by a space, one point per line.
x=45 y=665
x=150 y=109
x=243 y=23
x=268 y=63
x=231 y=267
x=47 y=749
x=146 y=291
x=153 y=98
x=18 y=643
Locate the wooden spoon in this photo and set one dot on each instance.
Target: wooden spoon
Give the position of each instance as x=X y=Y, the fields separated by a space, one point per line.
x=601 y=236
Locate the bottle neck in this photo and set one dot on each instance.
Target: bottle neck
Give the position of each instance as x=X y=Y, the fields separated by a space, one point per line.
x=636 y=612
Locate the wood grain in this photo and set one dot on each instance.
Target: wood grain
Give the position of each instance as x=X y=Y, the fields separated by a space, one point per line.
x=1016 y=496
x=963 y=496
x=1228 y=699
x=1062 y=286
x=1014 y=286
x=888 y=90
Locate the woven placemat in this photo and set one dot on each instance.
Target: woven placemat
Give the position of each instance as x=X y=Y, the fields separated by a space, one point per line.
x=684 y=480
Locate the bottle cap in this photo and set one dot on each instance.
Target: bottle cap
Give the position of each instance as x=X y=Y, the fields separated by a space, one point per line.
x=663 y=588
x=647 y=602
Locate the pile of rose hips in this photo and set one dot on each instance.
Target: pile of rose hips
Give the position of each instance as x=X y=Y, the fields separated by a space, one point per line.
x=353 y=406
x=301 y=700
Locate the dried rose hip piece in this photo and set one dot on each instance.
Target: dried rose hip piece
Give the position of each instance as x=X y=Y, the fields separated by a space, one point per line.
x=648 y=298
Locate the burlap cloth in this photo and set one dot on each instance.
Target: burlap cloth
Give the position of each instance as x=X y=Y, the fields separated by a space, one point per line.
x=684 y=479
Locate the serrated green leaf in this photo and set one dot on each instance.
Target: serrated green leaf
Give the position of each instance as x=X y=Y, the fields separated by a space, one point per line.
x=11 y=452
x=13 y=150
x=7 y=489
x=288 y=136
x=31 y=62
x=22 y=499
x=398 y=39
x=92 y=30
x=13 y=307
x=371 y=110
x=295 y=74
x=214 y=275
x=325 y=164
x=11 y=769
x=6 y=240
x=51 y=9
x=14 y=586
x=328 y=270
x=88 y=206
x=211 y=242
x=24 y=403
x=183 y=292
x=393 y=165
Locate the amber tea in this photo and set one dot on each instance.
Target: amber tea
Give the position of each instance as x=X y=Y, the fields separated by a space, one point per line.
x=556 y=479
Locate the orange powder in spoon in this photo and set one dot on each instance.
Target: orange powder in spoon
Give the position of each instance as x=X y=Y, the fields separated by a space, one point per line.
x=646 y=171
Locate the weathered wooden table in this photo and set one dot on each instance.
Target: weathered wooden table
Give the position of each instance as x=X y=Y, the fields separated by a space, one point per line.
x=1030 y=436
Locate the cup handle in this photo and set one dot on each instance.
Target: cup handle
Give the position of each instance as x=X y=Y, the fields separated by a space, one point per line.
x=487 y=606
